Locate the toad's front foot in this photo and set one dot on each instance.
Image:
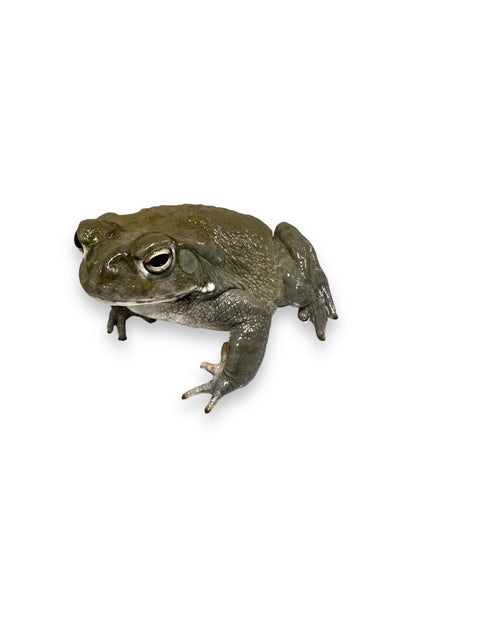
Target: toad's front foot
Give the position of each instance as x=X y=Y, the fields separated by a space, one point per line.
x=218 y=385
x=118 y=317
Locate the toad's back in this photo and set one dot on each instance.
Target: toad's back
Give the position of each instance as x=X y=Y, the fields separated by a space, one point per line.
x=251 y=254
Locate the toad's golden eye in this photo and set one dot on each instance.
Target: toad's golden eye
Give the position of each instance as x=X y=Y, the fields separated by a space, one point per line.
x=158 y=261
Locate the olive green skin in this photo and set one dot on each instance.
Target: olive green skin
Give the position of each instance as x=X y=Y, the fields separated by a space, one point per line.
x=226 y=271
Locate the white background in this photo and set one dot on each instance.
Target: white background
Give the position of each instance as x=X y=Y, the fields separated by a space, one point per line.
x=337 y=496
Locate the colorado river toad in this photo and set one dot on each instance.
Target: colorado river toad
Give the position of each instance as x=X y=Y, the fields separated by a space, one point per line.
x=204 y=267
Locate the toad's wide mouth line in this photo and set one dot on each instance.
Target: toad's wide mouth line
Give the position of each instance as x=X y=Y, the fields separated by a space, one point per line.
x=144 y=301
x=134 y=303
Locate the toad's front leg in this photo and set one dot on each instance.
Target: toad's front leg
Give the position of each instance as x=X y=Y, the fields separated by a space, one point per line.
x=241 y=355
x=118 y=317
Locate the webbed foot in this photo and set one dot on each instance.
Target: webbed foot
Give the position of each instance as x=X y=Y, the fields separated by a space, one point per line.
x=319 y=311
x=306 y=285
x=118 y=317
x=218 y=383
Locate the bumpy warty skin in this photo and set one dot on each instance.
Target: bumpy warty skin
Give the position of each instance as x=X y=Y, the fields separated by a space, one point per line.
x=204 y=267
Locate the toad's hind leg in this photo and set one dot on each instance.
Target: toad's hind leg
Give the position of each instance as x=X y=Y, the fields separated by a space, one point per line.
x=305 y=285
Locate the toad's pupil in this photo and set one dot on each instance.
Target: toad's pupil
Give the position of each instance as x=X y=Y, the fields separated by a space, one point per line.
x=159 y=260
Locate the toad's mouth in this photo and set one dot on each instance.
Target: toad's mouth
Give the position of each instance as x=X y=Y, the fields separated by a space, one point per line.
x=138 y=302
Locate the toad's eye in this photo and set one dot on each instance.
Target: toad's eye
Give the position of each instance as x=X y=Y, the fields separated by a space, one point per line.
x=158 y=261
x=77 y=242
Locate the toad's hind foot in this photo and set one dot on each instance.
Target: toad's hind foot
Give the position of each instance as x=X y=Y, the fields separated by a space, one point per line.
x=318 y=311
x=216 y=384
x=306 y=285
x=317 y=314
